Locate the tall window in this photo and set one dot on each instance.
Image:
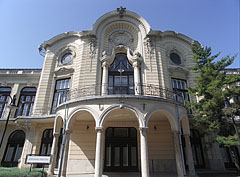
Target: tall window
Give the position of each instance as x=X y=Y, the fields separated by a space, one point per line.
x=4 y=97
x=26 y=101
x=60 y=94
x=179 y=86
x=120 y=76
x=14 y=149
x=46 y=143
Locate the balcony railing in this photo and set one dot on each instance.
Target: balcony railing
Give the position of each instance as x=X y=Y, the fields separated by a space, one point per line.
x=137 y=90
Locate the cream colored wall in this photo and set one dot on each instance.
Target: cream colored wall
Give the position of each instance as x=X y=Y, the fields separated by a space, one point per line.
x=82 y=147
x=160 y=141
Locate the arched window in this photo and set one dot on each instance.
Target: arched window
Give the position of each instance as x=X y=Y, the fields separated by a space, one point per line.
x=46 y=143
x=121 y=76
x=26 y=101
x=14 y=149
x=4 y=97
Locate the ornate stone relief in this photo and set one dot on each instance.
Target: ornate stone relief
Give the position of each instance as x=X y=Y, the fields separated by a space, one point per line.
x=107 y=58
x=121 y=10
x=92 y=49
x=150 y=49
x=120 y=37
x=134 y=58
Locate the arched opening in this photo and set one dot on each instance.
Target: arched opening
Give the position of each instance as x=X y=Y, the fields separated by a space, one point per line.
x=14 y=149
x=122 y=148
x=121 y=76
x=161 y=148
x=81 y=143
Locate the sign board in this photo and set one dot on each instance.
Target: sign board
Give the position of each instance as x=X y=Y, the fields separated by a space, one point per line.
x=35 y=159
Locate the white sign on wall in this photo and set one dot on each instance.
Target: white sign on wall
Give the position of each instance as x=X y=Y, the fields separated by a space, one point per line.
x=34 y=159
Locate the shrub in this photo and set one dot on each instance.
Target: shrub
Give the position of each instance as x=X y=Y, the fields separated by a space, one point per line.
x=16 y=172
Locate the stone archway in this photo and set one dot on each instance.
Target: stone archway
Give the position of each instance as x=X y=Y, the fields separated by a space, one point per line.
x=164 y=144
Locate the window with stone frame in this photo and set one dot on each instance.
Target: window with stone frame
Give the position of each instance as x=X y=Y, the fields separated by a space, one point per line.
x=60 y=93
x=26 y=101
x=4 y=98
x=180 y=86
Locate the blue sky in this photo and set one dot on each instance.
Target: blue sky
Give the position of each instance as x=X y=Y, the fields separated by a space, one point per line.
x=25 y=24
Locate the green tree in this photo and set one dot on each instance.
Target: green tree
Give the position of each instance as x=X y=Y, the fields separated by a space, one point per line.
x=212 y=84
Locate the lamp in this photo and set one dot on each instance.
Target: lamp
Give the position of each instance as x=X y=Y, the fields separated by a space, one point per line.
x=12 y=105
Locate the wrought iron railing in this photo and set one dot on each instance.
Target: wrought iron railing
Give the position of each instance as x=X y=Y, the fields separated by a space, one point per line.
x=137 y=90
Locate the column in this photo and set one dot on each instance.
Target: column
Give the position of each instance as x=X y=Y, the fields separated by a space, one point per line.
x=144 y=152
x=65 y=157
x=99 y=154
x=179 y=162
x=191 y=167
x=53 y=153
x=105 y=78
x=137 y=81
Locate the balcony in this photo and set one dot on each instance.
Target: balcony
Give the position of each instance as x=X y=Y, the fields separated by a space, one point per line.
x=147 y=90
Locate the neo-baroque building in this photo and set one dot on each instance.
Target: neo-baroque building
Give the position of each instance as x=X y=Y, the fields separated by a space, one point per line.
x=112 y=97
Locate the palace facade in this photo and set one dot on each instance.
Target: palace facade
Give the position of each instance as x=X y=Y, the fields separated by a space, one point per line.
x=113 y=98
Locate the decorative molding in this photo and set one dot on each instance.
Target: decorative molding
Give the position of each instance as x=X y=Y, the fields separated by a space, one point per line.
x=179 y=69
x=63 y=71
x=92 y=48
x=121 y=10
x=175 y=48
x=62 y=51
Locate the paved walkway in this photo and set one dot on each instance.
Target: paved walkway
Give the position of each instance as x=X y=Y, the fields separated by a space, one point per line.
x=126 y=174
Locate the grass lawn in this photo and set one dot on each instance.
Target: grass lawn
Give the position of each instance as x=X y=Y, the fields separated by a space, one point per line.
x=220 y=175
x=16 y=172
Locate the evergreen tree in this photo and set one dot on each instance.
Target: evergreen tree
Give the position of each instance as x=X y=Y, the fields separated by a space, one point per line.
x=212 y=84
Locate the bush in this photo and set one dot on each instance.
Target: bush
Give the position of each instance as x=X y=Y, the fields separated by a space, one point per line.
x=16 y=172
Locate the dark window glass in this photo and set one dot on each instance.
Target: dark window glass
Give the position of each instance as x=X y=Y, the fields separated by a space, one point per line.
x=121 y=149
x=175 y=58
x=120 y=76
x=14 y=149
x=26 y=101
x=60 y=94
x=4 y=97
x=180 y=87
x=46 y=143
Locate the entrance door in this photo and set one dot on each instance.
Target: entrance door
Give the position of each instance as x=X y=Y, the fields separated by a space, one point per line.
x=121 y=149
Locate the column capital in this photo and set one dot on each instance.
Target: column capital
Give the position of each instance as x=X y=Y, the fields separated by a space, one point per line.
x=186 y=134
x=143 y=129
x=99 y=129
x=136 y=64
x=55 y=134
x=105 y=64
x=68 y=131
x=175 y=132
